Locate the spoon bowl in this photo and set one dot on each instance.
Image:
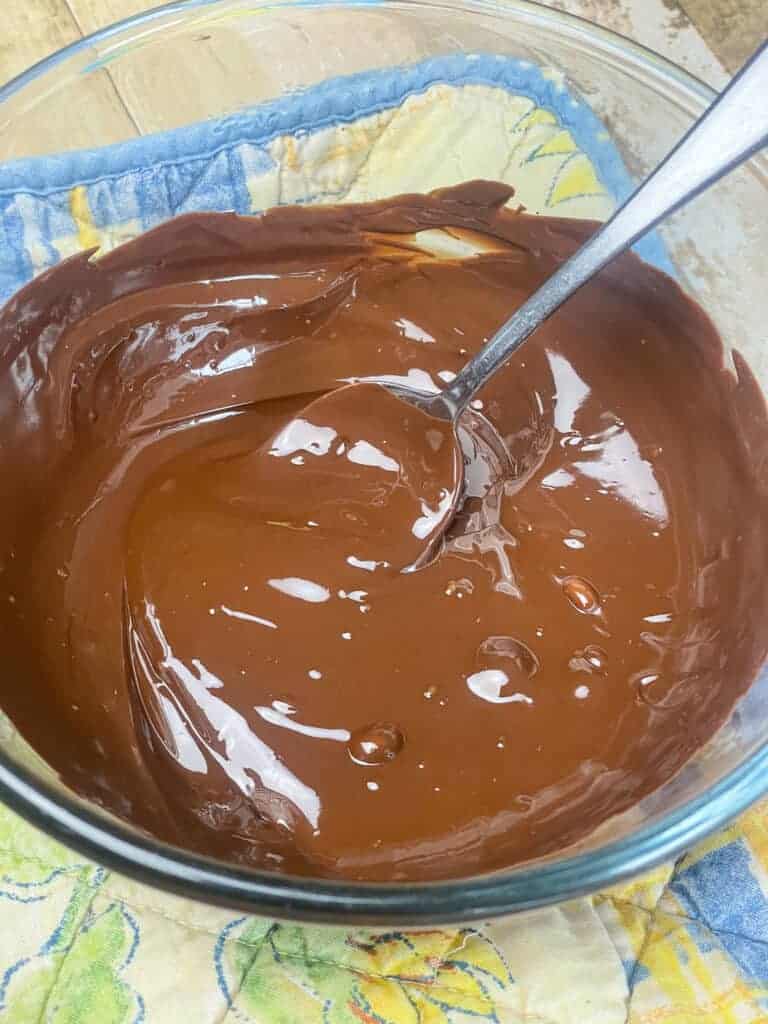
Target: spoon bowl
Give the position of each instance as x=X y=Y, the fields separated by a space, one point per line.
x=379 y=464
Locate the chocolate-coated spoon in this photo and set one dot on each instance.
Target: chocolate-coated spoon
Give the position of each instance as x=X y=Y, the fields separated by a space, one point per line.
x=732 y=130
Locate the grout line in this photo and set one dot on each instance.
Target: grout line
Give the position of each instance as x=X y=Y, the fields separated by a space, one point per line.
x=731 y=28
x=118 y=95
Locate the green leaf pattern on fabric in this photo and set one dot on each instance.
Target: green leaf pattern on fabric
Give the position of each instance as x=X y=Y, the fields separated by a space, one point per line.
x=81 y=946
x=73 y=974
x=89 y=986
x=287 y=974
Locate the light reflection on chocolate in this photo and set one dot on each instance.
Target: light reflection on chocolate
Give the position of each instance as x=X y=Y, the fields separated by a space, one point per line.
x=233 y=660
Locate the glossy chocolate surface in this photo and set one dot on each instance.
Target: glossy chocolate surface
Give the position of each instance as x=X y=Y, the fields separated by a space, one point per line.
x=208 y=636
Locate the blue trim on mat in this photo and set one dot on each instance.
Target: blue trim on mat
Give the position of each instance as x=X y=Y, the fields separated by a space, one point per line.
x=337 y=100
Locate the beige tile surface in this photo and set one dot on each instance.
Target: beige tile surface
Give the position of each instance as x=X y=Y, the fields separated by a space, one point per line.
x=182 y=83
x=30 y=30
x=689 y=32
x=732 y=28
x=38 y=27
x=661 y=25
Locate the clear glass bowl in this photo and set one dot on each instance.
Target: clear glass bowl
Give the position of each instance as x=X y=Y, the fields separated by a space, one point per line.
x=196 y=61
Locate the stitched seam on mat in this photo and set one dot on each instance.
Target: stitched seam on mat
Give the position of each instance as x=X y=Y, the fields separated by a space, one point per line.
x=13 y=852
x=682 y=916
x=374 y=145
x=425 y=986
x=679 y=918
x=150 y=908
x=652 y=915
x=671 y=1009
x=523 y=1015
x=66 y=952
x=605 y=898
x=431 y=987
x=229 y=1008
x=201 y=929
x=640 y=953
x=310 y=961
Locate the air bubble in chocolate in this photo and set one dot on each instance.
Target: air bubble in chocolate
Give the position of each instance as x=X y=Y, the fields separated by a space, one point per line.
x=375 y=744
x=592 y=659
x=662 y=693
x=508 y=653
x=582 y=595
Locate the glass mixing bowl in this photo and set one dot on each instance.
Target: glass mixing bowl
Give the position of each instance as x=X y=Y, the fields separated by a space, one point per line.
x=208 y=60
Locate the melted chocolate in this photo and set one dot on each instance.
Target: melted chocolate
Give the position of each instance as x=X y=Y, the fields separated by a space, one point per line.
x=219 y=652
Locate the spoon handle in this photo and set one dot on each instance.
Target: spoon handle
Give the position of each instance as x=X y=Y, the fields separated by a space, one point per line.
x=732 y=129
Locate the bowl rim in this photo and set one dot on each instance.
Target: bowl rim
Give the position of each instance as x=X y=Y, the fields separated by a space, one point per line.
x=532 y=10
x=120 y=846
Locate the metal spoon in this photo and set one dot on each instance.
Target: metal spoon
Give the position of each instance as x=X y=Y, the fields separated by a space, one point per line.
x=734 y=128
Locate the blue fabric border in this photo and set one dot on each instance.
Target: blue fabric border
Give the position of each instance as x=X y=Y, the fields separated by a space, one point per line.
x=337 y=100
